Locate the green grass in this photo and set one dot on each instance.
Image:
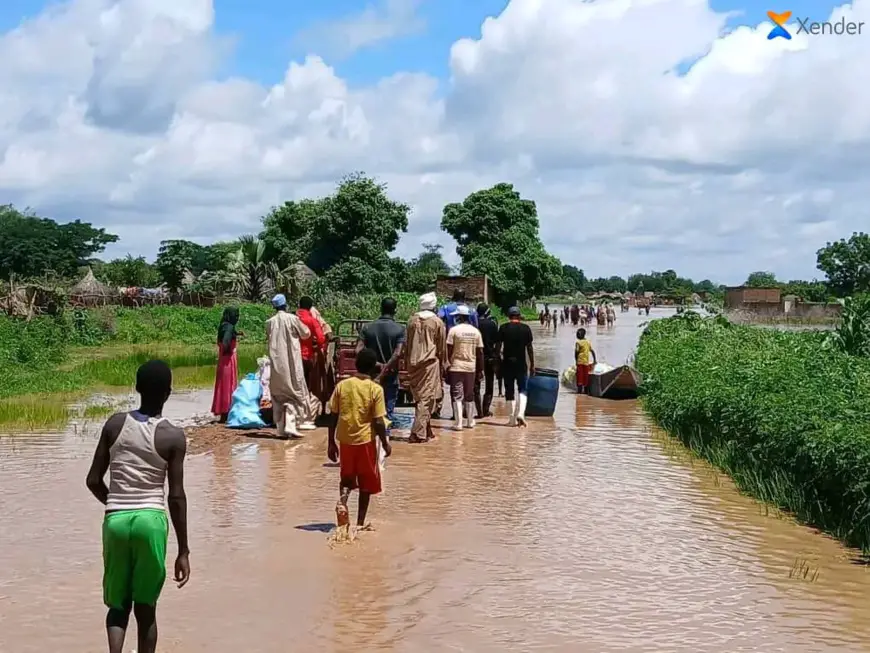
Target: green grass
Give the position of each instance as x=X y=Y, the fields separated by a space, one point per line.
x=783 y=413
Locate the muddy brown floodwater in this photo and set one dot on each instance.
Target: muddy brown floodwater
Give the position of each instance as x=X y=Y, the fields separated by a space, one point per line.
x=587 y=532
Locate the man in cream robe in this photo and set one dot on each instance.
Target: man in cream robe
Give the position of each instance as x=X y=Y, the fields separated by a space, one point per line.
x=425 y=355
x=292 y=404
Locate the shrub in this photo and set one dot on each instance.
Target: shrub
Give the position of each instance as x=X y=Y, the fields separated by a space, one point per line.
x=784 y=415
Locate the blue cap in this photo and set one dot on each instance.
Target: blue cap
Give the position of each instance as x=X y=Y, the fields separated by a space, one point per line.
x=514 y=311
x=279 y=301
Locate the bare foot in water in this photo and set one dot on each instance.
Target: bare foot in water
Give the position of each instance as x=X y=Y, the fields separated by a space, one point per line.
x=342 y=516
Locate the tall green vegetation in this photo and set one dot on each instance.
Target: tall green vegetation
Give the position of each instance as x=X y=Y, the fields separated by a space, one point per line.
x=847 y=264
x=497 y=234
x=782 y=413
x=346 y=237
x=33 y=246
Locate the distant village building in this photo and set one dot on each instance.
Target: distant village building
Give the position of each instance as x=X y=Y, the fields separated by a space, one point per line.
x=476 y=288
x=744 y=298
x=92 y=292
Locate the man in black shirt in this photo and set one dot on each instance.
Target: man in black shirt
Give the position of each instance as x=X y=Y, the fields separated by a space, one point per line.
x=513 y=346
x=488 y=328
x=386 y=338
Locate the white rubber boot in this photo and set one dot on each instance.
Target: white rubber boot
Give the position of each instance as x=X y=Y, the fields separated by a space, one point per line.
x=512 y=413
x=522 y=400
x=290 y=429
x=469 y=415
x=457 y=415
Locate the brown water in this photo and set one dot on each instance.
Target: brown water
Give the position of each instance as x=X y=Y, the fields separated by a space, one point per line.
x=589 y=532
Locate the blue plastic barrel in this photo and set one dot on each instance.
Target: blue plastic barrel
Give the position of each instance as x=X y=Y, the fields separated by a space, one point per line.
x=543 y=391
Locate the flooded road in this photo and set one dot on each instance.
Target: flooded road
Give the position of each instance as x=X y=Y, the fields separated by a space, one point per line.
x=588 y=532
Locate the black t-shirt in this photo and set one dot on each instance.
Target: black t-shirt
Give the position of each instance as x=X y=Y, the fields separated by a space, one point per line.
x=514 y=337
x=383 y=335
x=489 y=331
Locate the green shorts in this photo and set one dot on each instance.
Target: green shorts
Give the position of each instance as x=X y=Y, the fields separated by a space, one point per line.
x=134 y=557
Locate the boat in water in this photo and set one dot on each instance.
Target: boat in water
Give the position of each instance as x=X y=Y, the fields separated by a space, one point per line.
x=618 y=383
x=607 y=382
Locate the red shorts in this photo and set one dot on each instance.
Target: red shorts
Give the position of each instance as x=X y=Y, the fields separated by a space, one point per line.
x=359 y=467
x=583 y=375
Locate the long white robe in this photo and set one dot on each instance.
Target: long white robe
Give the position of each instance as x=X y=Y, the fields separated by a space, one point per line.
x=292 y=403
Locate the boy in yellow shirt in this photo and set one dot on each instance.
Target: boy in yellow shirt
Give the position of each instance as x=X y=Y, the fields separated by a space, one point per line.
x=358 y=413
x=585 y=358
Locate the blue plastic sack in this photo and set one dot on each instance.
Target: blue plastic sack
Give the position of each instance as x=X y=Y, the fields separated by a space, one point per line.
x=245 y=409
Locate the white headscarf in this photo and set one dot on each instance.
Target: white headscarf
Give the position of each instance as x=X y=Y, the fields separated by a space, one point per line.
x=428 y=302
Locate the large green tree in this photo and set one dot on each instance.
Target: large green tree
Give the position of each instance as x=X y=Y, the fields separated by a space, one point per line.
x=762 y=279
x=420 y=273
x=347 y=237
x=496 y=232
x=573 y=279
x=128 y=272
x=33 y=246
x=846 y=263
x=176 y=257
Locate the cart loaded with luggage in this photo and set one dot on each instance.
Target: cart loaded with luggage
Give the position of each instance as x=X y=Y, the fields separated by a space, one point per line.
x=346 y=336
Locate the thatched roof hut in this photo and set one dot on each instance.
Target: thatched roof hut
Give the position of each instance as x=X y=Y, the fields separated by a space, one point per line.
x=91 y=291
x=302 y=272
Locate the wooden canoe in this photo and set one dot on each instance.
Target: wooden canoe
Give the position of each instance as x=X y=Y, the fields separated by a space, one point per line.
x=618 y=383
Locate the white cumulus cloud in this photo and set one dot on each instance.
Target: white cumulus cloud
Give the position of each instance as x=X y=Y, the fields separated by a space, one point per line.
x=111 y=110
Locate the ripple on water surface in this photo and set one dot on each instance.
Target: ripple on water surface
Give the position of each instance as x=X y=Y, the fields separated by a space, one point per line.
x=588 y=532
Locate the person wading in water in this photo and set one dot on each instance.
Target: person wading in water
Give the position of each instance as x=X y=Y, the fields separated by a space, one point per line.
x=447 y=314
x=489 y=332
x=514 y=346
x=425 y=357
x=140 y=450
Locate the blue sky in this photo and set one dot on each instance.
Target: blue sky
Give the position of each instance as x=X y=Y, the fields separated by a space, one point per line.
x=265 y=32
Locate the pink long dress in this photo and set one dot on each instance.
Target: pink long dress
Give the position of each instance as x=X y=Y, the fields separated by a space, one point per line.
x=226 y=380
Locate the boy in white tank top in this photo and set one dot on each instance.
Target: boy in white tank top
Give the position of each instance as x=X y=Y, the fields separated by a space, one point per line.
x=141 y=451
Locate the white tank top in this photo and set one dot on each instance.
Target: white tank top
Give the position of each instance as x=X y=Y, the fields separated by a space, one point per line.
x=137 y=473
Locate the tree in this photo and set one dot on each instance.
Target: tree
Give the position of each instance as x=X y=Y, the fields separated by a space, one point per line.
x=497 y=234
x=705 y=286
x=419 y=274
x=32 y=246
x=762 y=279
x=128 y=272
x=347 y=236
x=252 y=277
x=175 y=258
x=846 y=263
x=808 y=291
x=573 y=279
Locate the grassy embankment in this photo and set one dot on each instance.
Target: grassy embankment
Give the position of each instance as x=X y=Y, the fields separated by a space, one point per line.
x=50 y=364
x=782 y=413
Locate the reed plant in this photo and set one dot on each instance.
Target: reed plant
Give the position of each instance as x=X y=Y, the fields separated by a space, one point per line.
x=783 y=413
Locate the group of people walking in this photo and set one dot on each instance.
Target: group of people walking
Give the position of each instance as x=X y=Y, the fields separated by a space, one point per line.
x=469 y=351
x=603 y=315
x=141 y=451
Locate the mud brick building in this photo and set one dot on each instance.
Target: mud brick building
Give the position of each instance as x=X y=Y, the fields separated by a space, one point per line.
x=476 y=288
x=758 y=300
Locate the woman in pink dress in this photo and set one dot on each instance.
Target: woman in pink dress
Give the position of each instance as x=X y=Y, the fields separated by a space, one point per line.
x=227 y=376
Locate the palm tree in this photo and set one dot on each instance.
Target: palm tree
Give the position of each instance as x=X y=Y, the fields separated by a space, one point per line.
x=252 y=276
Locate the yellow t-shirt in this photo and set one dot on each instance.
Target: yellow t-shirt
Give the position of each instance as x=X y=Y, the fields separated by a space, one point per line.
x=583 y=352
x=357 y=402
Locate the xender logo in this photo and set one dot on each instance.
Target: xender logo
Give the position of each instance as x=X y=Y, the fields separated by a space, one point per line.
x=842 y=26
